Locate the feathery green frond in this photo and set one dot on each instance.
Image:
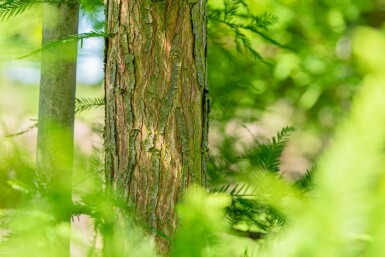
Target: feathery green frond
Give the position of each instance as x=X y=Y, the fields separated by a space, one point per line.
x=248 y=215
x=82 y=104
x=261 y=156
x=246 y=211
x=268 y=155
x=306 y=182
x=251 y=213
x=10 y=8
x=236 y=190
x=68 y=39
x=237 y=18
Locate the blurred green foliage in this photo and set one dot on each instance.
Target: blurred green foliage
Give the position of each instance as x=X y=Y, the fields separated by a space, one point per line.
x=309 y=84
x=20 y=35
x=16 y=176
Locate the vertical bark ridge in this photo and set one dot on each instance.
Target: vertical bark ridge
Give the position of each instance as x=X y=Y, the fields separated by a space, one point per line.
x=156 y=105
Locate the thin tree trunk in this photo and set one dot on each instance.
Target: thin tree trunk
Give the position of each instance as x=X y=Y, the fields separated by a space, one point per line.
x=156 y=105
x=56 y=110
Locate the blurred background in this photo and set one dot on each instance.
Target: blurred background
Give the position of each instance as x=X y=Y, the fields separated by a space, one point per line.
x=309 y=85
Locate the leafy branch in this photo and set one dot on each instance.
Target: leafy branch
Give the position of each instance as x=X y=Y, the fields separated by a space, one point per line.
x=237 y=17
x=68 y=39
x=247 y=209
x=11 y=8
x=83 y=104
x=268 y=155
x=306 y=183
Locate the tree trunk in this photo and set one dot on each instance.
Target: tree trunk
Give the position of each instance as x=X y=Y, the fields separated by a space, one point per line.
x=56 y=111
x=156 y=105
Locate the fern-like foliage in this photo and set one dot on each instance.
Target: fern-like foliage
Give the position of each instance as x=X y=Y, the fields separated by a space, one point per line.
x=237 y=18
x=268 y=155
x=237 y=190
x=254 y=215
x=10 y=8
x=83 y=104
x=67 y=39
x=265 y=156
x=246 y=209
x=306 y=182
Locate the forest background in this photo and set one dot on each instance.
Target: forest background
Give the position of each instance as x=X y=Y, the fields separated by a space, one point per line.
x=321 y=53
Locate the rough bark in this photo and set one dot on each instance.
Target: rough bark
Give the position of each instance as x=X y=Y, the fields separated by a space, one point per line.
x=56 y=110
x=156 y=105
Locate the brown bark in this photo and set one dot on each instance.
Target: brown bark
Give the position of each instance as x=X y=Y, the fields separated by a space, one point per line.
x=156 y=105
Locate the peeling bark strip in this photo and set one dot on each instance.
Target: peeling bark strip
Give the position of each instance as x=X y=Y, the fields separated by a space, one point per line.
x=156 y=105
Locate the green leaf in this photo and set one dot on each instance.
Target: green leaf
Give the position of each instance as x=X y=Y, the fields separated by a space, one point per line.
x=82 y=104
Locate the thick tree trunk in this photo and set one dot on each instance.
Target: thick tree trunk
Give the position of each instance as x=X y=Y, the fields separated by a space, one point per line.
x=156 y=105
x=56 y=111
